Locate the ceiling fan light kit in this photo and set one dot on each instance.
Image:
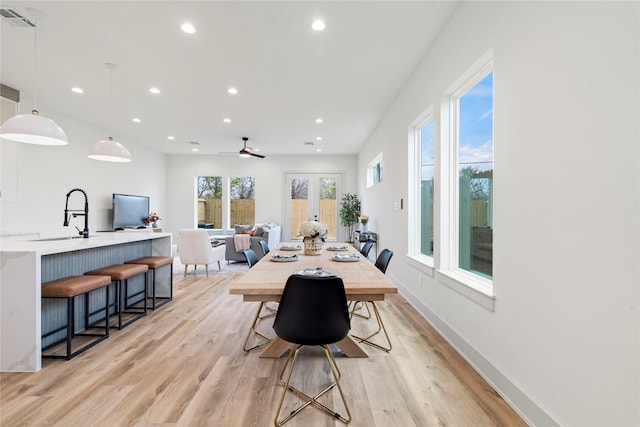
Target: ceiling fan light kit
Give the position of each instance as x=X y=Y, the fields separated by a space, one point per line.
x=246 y=151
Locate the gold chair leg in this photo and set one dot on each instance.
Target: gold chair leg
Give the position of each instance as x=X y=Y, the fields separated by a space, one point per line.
x=357 y=305
x=185 y=270
x=290 y=362
x=252 y=331
x=381 y=327
x=271 y=312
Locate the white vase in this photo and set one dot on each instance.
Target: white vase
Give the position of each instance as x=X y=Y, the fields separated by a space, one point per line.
x=312 y=245
x=364 y=228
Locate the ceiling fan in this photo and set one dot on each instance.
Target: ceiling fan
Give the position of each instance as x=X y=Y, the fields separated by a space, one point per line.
x=246 y=151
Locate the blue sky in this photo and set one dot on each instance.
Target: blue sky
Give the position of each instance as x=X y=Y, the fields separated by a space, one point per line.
x=476 y=124
x=476 y=130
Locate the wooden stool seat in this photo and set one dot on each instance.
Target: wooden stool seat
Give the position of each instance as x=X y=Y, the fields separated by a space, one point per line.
x=120 y=274
x=120 y=271
x=68 y=288
x=72 y=286
x=153 y=262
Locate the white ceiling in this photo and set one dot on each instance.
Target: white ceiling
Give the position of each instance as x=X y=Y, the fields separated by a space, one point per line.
x=286 y=73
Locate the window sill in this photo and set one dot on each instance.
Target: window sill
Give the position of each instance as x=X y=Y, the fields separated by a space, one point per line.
x=476 y=289
x=422 y=263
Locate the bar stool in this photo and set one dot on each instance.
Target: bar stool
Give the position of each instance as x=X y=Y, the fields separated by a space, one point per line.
x=154 y=262
x=120 y=275
x=69 y=288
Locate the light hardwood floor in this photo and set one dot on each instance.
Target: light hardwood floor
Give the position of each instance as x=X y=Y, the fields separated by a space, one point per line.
x=183 y=365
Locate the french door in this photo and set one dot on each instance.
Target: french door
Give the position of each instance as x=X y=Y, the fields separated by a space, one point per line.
x=311 y=197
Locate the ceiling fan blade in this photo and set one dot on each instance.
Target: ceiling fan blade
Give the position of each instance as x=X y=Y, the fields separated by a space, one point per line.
x=256 y=155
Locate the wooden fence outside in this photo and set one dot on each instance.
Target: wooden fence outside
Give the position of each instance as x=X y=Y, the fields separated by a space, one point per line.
x=327 y=216
x=242 y=211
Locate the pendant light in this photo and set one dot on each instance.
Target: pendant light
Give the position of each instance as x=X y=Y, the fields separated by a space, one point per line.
x=109 y=150
x=33 y=128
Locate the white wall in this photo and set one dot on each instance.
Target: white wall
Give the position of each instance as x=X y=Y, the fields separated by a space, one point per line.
x=562 y=344
x=269 y=173
x=47 y=174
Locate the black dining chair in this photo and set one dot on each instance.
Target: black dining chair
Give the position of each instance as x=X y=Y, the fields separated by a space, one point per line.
x=264 y=246
x=313 y=312
x=366 y=248
x=252 y=258
x=382 y=262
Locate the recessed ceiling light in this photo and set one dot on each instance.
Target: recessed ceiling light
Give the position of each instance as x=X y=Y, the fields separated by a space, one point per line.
x=194 y=149
x=154 y=90
x=171 y=137
x=227 y=120
x=318 y=138
x=318 y=149
x=319 y=120
x=77 y=90
x=136 y=120
x=318 y=25
x=232 y=90
x=188 y=28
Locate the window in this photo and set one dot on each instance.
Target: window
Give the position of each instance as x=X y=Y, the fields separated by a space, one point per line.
x=422 y=172
x=374 y=171
x=468 y=165
x=209 y=194
x=242 y=195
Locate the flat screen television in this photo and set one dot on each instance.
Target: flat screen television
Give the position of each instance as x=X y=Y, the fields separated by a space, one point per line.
x=129 y=211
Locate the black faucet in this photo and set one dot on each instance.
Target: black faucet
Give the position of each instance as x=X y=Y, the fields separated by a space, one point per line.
x=84 y=233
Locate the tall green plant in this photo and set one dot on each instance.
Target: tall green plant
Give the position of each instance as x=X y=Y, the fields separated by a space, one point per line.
x=349 y=212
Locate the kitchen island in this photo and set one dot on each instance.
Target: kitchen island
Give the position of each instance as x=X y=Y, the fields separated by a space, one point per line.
x=26 y=264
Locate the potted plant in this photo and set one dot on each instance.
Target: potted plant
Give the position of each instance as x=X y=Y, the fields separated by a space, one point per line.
x=349 y=213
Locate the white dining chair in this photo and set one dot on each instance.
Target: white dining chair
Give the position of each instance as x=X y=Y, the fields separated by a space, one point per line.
x=195 y=249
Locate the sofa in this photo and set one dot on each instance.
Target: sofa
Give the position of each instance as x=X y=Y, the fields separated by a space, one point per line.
x=270 y=233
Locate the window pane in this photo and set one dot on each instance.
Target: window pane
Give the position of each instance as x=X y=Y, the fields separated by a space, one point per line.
x=242 y=192
x=475 y=171
x=329 y=206
x=299 y=204
x=426 y=188
x=210 y=201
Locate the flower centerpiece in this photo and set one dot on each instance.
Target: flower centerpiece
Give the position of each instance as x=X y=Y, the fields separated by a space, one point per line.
x=152 y=219
x=313 y=233
x=364 y=219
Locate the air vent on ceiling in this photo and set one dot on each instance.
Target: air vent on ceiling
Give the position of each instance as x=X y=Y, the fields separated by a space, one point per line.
x=14 y=18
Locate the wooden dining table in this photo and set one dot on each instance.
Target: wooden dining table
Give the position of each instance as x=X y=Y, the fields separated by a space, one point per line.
x=265 y=282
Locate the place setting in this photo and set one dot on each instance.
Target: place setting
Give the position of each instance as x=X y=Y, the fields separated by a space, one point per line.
x=338 y=248
x=290 y=247
x=352 y=257
x=284 y=258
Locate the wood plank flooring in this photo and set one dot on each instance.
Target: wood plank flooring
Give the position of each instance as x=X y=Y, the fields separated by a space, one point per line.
x=183 y=365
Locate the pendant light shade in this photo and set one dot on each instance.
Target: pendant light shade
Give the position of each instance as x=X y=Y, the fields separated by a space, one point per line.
x=109 y=150
x=33 y=129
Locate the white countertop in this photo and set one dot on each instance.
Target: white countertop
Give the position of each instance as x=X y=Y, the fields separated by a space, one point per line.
x=45 y=246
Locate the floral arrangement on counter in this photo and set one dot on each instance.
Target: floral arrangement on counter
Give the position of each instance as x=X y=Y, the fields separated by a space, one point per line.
x=153 y=217
x=312 y=229
x=364 y=219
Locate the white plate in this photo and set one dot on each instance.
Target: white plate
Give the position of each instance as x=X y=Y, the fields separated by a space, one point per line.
x=338 y=248
x=290 y=248
x=346 y=258
x=284 y=258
